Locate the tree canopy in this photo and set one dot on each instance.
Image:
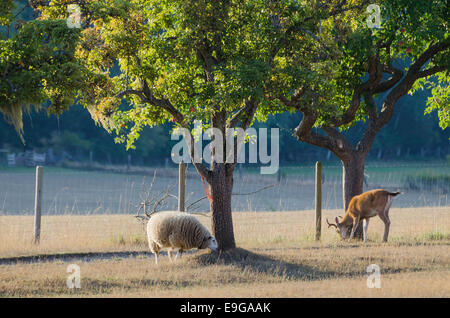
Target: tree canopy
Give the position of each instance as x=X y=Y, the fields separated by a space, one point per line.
x=185 y=58
x=37 y=64
x=352 y=64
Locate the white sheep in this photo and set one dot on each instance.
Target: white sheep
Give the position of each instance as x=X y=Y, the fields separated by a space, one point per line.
x=177 y=231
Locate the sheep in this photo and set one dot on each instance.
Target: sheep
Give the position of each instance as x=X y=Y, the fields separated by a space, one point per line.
x=177 y=231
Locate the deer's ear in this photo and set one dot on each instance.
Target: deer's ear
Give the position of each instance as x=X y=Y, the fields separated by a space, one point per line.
x=337 y=221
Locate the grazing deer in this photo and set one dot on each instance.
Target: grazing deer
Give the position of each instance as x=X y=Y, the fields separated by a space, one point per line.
x=363 y=207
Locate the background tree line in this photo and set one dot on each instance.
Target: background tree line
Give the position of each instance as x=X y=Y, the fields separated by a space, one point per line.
x=75 y=133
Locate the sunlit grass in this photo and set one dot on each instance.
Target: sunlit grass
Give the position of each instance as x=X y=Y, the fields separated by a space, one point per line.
x=277 y=257
x=91 y=233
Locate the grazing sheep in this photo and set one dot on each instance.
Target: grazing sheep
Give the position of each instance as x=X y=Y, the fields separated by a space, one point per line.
x=177 y=231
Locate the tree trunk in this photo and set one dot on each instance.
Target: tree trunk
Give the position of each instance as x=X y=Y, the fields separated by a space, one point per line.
x=221 y=221
x=353 y=182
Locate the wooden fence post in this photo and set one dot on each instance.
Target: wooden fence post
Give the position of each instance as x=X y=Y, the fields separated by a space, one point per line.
x=181 y=186
x=318 y=201
x=38 y=203
x=128 y=162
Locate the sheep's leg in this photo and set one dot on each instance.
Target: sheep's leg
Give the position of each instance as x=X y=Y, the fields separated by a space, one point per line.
x=154 y=248
x=179 y=253
x=173 y=243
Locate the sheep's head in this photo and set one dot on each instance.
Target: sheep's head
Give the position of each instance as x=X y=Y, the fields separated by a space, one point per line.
x=209 y=242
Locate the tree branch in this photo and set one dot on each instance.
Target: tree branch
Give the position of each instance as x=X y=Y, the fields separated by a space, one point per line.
x=339 y=141
x=162 y=103
x=235 y=119
x=391 y=82
x=433 y=49
x=294 y=101
x=411 y=76
x=375 y=75
x=132 y=92
x=304 y=133
x=431 y=71
x=244 y=115
x=202 y=170
x=372 y=129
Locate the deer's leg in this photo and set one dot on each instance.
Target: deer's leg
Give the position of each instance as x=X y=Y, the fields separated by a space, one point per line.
x=385 y=218
x=170 y=255
x=355 y=225
x=366 y=226
x=387 y=223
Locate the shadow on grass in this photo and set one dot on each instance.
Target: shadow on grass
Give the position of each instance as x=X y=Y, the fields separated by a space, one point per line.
x=247 y=260
x=70 y=257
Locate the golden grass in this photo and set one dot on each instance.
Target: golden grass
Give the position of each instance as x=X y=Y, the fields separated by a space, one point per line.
x=70 y=233
x=393 y=285
x=420 y=272
x=91 y=233
x=277 y=258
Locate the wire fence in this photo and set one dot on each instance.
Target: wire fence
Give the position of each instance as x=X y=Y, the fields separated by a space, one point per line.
x=96 y=192
x=93 y=210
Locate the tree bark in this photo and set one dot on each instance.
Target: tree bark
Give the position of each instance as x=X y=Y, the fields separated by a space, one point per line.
x=220 y=206
x=353 y=182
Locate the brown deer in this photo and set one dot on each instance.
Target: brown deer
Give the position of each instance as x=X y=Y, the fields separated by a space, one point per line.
x=363 y=207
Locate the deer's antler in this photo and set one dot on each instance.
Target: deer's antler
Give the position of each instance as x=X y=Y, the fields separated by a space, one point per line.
x=331 y=224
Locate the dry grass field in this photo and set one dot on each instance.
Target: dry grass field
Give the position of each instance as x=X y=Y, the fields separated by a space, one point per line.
x=277 y=257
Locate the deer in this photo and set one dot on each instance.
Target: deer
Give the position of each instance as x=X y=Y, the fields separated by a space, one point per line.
x=363 y=207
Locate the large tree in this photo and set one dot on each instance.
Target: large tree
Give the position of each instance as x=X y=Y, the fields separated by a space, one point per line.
x=179 y=61
x=357 y=67
x=37 y=63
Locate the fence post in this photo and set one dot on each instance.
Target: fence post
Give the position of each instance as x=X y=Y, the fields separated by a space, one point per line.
x=318 y=201
x=128 y=162
x=181 y=186
x=38 y=203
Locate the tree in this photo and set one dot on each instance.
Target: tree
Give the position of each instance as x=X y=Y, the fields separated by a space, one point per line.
x=179 y=61
x=354 y=66
x=37 y=64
